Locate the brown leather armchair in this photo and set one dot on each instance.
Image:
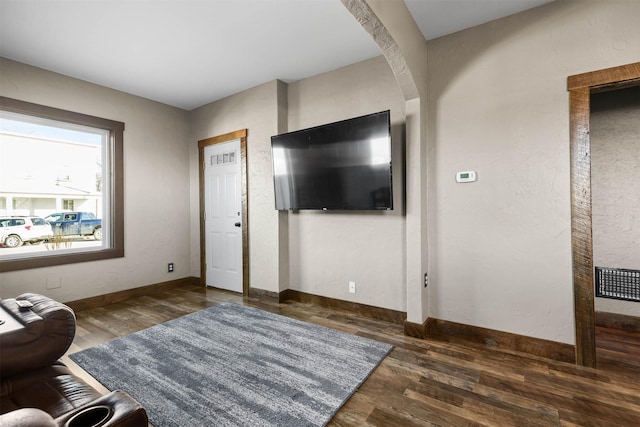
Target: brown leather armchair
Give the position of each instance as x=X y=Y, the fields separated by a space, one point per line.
x=36 y=389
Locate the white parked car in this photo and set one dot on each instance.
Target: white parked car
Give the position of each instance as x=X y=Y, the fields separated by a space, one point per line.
x=16 y=230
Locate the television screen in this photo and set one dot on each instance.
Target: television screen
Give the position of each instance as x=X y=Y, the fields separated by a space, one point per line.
x=338 y=166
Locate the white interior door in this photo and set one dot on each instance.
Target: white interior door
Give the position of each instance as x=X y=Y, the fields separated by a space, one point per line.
x=223 y=206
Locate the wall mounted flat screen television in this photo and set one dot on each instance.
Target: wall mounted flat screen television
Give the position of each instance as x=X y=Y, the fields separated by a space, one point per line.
x=344 y=165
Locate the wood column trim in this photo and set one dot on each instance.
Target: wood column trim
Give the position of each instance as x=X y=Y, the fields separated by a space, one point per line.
x=618 y=76
x=416 y=330
x=581 y=236
x=580 y=87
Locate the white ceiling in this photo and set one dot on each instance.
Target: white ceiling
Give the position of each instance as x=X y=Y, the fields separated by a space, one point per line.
x=187 y=53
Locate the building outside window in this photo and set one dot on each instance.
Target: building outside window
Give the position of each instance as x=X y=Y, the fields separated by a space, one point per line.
x=68 y=205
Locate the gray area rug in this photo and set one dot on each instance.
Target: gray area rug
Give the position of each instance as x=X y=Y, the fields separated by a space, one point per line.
x=231 y=365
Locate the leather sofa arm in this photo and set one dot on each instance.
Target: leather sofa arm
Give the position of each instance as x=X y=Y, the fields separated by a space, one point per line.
x=27 y=417
x=48 y=330
x=119 y=409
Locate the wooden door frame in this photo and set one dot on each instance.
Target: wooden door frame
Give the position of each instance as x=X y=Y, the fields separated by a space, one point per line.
x=580 y=88
x=231 y=136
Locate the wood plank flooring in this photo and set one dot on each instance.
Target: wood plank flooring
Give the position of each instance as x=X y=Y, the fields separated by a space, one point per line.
x=421 y=382
x=617 y=350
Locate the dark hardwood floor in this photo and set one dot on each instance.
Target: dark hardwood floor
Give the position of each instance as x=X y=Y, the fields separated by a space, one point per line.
x=424 y=382
x=618 y=350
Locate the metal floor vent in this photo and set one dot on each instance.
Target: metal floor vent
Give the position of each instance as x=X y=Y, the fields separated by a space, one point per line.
x=618 y=283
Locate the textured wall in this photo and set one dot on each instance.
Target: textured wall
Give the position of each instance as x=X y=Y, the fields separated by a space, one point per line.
x=615 y=186
x=498 y=104
x=390 y=23
x=156 y=181
x=499 y=248
x=256 y=110
x=329 y=249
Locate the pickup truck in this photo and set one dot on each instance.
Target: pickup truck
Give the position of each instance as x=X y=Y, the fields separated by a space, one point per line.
x=75 y=224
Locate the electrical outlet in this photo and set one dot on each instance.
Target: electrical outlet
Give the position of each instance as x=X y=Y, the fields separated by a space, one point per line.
x=352 y=287
x=426 y=280
x=170 y=267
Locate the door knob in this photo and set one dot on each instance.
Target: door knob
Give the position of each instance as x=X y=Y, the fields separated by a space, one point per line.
x=237 y=224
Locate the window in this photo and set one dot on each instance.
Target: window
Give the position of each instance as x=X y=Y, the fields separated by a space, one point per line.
x=68 y=205
x=62 y=172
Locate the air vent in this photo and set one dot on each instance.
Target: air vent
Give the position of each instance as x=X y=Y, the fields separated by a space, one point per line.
x=223 y=158
x=618 y=283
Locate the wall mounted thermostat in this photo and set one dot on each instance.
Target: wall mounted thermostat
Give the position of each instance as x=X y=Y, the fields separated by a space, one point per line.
x=466 y=176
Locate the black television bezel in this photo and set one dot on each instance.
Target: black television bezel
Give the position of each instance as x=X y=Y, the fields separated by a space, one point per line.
x=344 y=122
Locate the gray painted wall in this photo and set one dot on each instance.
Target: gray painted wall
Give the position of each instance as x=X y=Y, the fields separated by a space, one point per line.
x=498 y=104
x=615 y=186
x=499 y=249
x=156 y=181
